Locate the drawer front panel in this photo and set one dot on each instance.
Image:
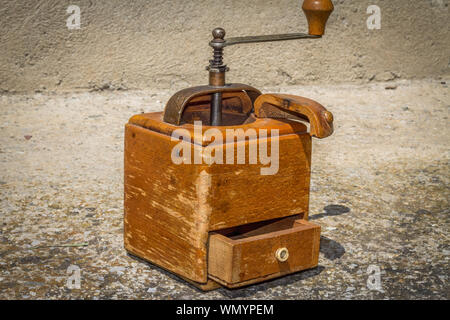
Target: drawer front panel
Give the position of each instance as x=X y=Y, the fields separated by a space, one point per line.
x=267 y=252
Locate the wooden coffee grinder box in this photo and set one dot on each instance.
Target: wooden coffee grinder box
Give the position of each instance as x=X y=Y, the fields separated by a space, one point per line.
x=217 y=185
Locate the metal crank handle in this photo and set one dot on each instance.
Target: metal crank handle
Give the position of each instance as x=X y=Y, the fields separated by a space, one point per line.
x=316 y=12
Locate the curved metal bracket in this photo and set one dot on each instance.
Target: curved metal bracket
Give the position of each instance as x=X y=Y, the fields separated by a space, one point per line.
x=178 y=102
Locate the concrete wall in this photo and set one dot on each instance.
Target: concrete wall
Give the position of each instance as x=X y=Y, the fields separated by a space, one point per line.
x=163 y=43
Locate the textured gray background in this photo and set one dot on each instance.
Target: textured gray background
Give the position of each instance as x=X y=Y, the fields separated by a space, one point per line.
x=379 y=190
x=379 y=185
x=163 y=44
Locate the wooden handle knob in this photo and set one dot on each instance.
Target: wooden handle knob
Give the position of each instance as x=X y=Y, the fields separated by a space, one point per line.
x=282 y=254
x=317 y=13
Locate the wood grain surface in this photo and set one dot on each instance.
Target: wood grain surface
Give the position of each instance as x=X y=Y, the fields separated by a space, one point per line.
x=170 y=209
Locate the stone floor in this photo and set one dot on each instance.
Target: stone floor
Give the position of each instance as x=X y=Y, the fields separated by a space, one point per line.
x=380 y=191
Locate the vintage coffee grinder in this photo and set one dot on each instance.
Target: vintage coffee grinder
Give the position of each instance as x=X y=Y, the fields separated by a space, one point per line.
x=201 y=198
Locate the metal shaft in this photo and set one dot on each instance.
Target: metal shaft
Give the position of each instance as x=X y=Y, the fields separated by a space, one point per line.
x=217 y=76
x=216 y=109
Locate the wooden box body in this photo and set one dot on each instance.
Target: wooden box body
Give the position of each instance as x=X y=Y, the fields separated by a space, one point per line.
x=172 y=209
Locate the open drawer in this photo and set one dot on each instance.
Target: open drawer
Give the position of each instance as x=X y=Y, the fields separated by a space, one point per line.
x=249 y=254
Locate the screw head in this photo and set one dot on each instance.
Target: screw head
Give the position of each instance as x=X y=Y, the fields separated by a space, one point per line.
x=328 y=116
x=218 y=33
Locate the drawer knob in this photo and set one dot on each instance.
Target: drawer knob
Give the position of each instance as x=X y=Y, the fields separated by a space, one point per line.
x=282 y=254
